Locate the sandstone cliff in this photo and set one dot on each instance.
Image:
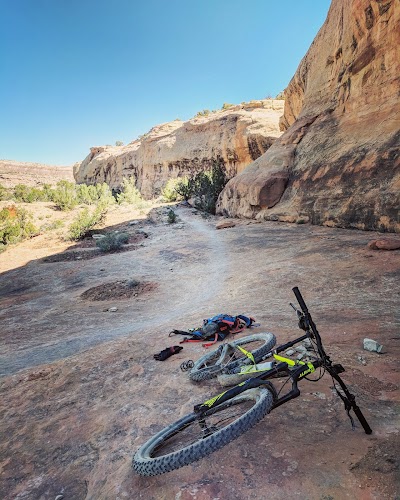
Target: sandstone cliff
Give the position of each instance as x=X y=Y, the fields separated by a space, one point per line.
x=236 y=137
x=338 y=162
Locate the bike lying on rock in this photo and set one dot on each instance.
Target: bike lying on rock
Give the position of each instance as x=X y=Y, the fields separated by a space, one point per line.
x=226 y=416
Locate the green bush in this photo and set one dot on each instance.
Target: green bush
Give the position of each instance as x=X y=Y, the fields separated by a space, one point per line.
x=86 y=221
x=65 y=196
x=226 y=105
x=15 y=225
x=30 y=194
x=86 y=194
x=52 y=226
x=172 y=217
x=179 y=188
x=4 y=193
x=130 y=193
x=168 y=192
x=104 y=194
x=112 y=241
x=207 y=187
x=91 y=195
x=205 y=112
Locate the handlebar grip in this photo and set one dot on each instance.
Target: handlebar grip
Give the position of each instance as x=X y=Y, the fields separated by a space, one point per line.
x=362 y=420
x=300 y=299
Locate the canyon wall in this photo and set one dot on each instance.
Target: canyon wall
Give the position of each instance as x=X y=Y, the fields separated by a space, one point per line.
x=234 y=137
x=338 y=163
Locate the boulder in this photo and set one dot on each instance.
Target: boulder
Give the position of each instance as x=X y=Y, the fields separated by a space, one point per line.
x=384 y=244
x=338 y=162
x=225 y=224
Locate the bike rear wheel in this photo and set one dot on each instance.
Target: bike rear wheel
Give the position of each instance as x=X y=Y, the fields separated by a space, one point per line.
x=228 y=356
x=197 y=435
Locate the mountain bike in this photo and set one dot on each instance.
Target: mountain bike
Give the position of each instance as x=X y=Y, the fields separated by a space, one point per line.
x=226 y=416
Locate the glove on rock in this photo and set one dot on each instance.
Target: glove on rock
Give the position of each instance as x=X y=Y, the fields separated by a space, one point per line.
x=166 y=353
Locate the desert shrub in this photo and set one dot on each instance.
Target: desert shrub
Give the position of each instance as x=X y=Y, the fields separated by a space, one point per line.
x=168 y=192
x=207 y=187
x=93 y=194
x=112 y=241
x=65 y=196
x=104 y=194
x=130 y=193
x=52 y=226
x=226 y=105
x=86 y=221
x=86 y=194
x=205 y=112
x=30 y=194
x=171 y=217
x=47 y=192
x=15 y=225
x=4 y=193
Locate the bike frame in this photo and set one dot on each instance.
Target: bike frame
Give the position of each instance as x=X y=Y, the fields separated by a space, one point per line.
x=295 y=370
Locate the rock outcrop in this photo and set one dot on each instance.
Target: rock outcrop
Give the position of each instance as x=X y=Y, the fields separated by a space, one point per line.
x=234 y=137
x=338 y=162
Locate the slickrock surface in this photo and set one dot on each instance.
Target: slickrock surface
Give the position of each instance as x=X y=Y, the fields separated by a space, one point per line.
x=338 y=163
x=32 y=174
x=235 y=137
x=81 y=391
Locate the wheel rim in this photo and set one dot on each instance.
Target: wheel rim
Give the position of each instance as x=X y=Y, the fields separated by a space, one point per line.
x=197 y=429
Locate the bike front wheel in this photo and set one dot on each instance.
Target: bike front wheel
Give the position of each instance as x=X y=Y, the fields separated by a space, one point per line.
x=228 y=356
x=197 y=435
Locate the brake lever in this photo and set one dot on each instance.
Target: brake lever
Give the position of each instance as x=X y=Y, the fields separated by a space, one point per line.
x=304 y=324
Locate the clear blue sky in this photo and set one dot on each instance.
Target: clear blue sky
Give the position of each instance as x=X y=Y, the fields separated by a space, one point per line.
x=80 y=73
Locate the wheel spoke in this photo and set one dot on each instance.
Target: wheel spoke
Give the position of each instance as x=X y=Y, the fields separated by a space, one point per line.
x=203 y=426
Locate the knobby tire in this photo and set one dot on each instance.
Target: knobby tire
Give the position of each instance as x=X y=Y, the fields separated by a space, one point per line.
x=145 y=463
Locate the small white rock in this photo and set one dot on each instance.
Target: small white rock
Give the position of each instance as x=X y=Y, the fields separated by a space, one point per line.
x=113 y=309
x=372 y=345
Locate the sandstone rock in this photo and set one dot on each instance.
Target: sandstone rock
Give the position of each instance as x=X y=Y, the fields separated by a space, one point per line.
x=384 y=244
x=235 y=137
x=225 y=224
x=340 y=151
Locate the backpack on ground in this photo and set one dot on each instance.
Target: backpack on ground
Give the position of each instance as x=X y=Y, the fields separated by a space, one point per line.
x=216 y=328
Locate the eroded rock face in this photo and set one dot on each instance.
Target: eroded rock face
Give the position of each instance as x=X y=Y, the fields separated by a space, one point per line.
x=235 y=137
x=338 y=162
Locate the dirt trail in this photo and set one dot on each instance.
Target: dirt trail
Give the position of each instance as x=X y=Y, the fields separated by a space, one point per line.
x=188 y=261
x=81 y=390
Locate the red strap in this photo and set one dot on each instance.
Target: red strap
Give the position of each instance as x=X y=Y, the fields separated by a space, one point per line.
x=213 y=342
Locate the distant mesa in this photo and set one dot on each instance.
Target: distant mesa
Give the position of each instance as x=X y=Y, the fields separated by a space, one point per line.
x=32 y=174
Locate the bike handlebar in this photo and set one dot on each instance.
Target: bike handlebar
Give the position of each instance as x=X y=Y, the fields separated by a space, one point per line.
x=300 y=299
